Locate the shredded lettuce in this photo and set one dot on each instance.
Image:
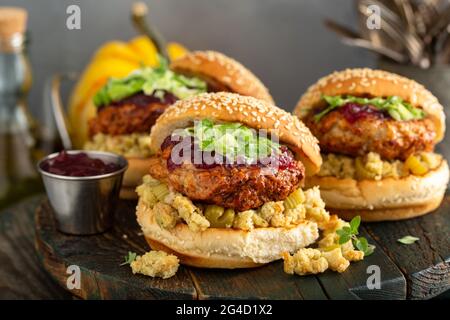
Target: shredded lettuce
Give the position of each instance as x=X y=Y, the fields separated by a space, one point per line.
x=395 y=106
x=151 y=81
x=233 y=140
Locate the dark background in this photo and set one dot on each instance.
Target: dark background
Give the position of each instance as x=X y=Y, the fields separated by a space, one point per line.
x=284 y=42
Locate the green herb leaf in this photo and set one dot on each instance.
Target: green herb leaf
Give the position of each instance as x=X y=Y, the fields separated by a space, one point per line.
x=129 y=258
x=354 y=224
x=408 y=240
x=344 y=238
x=344 y=235
x=348 y=233
x=370 y=249
x=361 y=244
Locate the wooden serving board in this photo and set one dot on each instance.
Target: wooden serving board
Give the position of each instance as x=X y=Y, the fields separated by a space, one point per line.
x=417 y=271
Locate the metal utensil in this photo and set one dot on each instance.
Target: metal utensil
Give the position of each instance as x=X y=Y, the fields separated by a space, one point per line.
x=427 y=14
x=362 y=43
x=84 y=205
x=439 y=25
x=377 y=36
x=412 y=28
x=392 y=25
x=407 y=13
x=443 y=47
x=350 y=37
x=58 y=109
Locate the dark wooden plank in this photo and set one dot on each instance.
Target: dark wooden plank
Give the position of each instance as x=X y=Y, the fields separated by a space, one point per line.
x=21 y=274
x=352 y=284
x=99 y=259
x=253 y=283
x=426 y=264
x=267 y=282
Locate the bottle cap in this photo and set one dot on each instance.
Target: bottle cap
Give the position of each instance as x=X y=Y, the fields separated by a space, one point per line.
x=12 y=20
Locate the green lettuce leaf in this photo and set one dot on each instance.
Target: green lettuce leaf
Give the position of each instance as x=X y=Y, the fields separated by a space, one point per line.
x=394 y=106
x=151 y=81
x=232 y=139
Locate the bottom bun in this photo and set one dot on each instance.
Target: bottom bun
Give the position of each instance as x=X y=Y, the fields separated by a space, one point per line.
x=390 y=214
x=387 y=199
x=222 y=262
x=225 y=248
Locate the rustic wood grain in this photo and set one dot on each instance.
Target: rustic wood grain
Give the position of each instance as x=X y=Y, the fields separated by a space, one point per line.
x=21 y=274
x=270 y=282
x=101 y=275
x=267 y=282
x=99 y=258
x=426 y=263
x=352 y=284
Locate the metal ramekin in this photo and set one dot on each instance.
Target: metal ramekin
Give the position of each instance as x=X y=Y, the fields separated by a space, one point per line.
x=84 y=205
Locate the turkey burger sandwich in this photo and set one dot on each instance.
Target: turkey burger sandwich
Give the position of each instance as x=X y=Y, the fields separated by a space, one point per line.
x=224 y=185
x=377 y=132
x=127 y=108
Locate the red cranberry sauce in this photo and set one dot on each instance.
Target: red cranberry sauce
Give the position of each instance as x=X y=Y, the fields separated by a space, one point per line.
x=77 y=165
x=209 y=159
x=353 y=112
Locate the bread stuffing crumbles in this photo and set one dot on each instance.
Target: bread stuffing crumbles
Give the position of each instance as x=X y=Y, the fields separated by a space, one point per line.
x=249 y=219
x=130 y=145
x=273 y=212
x=315 y=207
x=244 y=220
x=305 y=261
x=331 y=252
x=156 y=264
x=165 y=215
x=191 y=214
x=372 y=166
x=171 y=207
x=335 y=250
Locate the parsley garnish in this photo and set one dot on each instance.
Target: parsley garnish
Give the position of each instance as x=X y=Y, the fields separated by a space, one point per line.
x=408 y=240
x=348 y=233
x=129 y=258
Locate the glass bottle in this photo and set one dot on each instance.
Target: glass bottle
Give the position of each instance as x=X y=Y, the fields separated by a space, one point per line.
x=18 y=175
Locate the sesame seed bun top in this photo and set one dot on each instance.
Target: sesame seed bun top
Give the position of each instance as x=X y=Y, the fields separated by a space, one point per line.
x=217 y=67
x=375 y=83
x=254 y=113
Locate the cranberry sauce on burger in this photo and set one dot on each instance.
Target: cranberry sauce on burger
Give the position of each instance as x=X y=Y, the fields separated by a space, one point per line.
x=226 y=144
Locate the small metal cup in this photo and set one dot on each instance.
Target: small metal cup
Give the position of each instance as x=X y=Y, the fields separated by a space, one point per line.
x=84 y=205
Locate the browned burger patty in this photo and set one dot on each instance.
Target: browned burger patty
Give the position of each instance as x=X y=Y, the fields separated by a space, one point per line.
x=135 y=114
x=390 y=138
x=240 y=187
x=237 y=187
